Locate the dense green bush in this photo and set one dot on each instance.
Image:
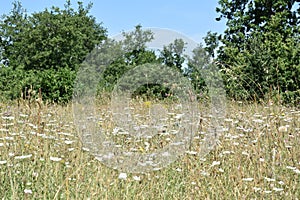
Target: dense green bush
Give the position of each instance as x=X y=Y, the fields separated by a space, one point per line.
x=44 y=50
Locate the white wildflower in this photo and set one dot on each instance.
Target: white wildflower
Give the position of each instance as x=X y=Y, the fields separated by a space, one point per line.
x=283 y=129
x=178 y=169
x=248 y=179
x=277 y=189
x=227 y=152
x=236 y=143
x=256 y=189
x=245 y=153
x=269 y=179
x=23 y=157
x=23 y=115
x=8 y=117
x=214 y=163
x=11 y=154
x=178 y=116
x=85 y=149
x=122 y=176
x=191 y=152
x=136 y=178
x=280 y=182
x=290 y=167
x=259 y=121
x=267 y=191
x=204 y=173
x=297 y=171
x=69 y=142
x=55 y=159
x=28 y=191
x=35 y=174
x=2 y=162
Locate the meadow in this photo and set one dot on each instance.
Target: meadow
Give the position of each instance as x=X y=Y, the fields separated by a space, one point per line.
x=257 y=157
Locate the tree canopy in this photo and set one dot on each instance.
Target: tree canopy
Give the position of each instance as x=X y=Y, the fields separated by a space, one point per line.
x=259 y=50
x=46 y=48
x=258 y=53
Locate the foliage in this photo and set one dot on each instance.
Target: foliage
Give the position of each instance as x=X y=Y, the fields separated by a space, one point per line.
x=130 y=52
x=172 y=55
x=46 y=49
x=195 y=66
x=259 y=51
x=50 y=44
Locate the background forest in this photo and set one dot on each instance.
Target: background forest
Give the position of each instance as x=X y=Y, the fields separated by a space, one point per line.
x=258 y=53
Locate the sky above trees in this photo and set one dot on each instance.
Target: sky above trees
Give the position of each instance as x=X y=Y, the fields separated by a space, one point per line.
x=193 y=18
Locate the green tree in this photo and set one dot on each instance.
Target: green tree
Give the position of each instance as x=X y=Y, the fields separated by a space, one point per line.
x=50 y=44
x=172 y=55
x=131 y=52
x=197 y=64
x=259 y=51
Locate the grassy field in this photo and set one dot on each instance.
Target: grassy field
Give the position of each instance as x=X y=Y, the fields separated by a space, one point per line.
x=257 y=157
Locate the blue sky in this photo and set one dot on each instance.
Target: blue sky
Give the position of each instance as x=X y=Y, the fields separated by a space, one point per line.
x=193 y=18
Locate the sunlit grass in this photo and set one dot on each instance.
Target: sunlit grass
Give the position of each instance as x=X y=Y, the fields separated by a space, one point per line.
x=257 y=157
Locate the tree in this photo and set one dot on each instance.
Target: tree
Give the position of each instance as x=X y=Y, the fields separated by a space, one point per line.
x=260 y=51
x=199 y=61
x=50 y=44
x=132 y=51
x=172 y=55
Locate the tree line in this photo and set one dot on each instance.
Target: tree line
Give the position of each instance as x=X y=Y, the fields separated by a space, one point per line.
x=257 y=55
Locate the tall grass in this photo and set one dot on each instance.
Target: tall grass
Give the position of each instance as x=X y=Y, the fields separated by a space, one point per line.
x=257 y=157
